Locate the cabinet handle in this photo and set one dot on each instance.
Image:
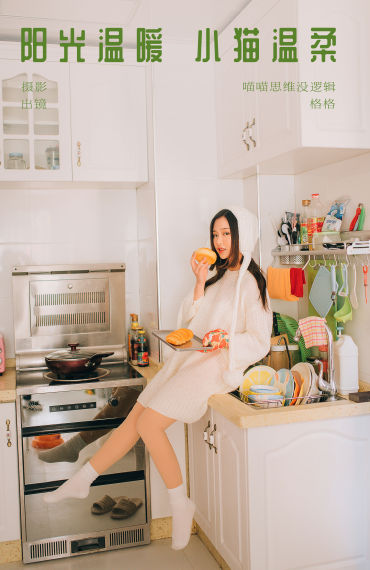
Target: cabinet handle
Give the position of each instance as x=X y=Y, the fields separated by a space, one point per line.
x=8 y=435
x=78 y=153
x=205 y=433
x=247 y=133
x=212 y=438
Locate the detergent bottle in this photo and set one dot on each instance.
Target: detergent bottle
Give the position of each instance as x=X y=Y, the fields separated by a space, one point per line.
x=345 y=363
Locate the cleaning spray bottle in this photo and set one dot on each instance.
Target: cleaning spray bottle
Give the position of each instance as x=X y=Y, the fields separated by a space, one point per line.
x=345 y=363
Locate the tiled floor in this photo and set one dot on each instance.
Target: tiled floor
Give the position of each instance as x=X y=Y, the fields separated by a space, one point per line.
x=157 y=555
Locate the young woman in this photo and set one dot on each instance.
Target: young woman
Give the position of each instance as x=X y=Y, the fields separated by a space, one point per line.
x=235 y=300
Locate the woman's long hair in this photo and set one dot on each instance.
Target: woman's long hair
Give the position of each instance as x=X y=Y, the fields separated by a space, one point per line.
x=221 y=265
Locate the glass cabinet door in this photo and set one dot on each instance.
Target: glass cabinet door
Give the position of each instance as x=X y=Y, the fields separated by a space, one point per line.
x=35 y=118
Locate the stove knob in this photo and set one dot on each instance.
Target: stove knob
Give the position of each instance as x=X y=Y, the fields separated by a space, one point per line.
x=113 y=402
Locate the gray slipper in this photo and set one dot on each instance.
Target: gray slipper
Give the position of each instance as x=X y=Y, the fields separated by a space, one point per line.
x=103 y=505
x=125 y=507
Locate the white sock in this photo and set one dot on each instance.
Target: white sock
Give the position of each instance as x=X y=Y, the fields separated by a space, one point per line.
x=68 y=451
x=76 y=487
x=182 y=516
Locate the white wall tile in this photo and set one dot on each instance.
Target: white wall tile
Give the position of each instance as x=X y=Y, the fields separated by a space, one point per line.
x=66 y=226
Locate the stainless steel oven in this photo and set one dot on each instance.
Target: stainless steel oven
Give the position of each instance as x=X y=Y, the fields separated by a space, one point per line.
x=53 y=413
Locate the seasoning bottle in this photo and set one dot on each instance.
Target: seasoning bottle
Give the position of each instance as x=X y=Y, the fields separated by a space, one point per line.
x=143 y=351
x=304 y=221
x=132 y=336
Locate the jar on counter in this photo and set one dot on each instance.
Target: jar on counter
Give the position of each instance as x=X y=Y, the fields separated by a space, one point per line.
x=52 y=157
x=279 y=356
x=16 y=161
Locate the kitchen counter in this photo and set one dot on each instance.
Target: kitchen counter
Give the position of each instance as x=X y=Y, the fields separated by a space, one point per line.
x=231 y=408
x=7 y=382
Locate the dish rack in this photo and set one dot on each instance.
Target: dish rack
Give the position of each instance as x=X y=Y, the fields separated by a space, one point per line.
x=314 y=399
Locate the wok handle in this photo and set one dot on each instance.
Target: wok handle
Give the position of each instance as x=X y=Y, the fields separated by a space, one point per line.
x=96 y=359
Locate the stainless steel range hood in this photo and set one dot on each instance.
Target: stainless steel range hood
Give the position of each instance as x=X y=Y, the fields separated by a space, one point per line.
x=82 y=304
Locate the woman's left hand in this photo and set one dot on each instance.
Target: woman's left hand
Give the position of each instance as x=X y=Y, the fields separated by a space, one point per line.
x=217 y=339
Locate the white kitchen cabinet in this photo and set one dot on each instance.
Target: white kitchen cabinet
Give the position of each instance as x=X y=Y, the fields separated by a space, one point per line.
x=291 y=136
x=201 y=474
x=9 y=489
x=284 y=496
x=217 y=484
x=35 y=141
x=108 y=108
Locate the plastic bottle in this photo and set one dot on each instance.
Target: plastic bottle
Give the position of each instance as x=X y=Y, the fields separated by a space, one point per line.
x=346 y=364
x=304 y=218
x=143 y=351
x=316 y=215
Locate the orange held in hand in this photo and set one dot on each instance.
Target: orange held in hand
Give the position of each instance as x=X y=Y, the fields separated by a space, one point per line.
x=180 y=336
x=205 y=252
x=217 y=338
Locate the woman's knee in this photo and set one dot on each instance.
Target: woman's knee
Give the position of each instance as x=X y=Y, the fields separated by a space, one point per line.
x=151 y=421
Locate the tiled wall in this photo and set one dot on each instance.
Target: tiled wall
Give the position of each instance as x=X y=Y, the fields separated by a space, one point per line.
x=66 y=226
x=347 y=178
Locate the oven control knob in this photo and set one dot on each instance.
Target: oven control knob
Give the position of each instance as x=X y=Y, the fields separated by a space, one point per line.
x=113 y=402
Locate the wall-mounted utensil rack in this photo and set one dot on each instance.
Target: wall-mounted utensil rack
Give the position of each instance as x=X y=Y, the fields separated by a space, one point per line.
x=298 y=257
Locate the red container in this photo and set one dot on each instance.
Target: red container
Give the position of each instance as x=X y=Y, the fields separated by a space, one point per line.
x=2 y=354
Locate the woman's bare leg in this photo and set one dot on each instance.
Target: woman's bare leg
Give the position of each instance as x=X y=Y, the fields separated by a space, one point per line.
x=119 y=443
x=151 y=425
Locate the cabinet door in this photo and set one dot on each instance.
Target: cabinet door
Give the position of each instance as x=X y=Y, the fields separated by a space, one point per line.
x=235 y=108
x=34 y=121
x=309 y=503
x=277 y=110
x=108 y=109
x=9 y=489
x=231 y=492
x=347 y=125
x=201 y=475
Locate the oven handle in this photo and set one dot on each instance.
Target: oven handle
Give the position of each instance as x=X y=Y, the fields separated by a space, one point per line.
x=72 y=426
x=127 y=476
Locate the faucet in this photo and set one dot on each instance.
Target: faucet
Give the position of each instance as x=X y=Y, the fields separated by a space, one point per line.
x=325 y=386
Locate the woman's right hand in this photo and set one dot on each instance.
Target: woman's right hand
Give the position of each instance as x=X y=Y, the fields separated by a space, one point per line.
x=200 y=270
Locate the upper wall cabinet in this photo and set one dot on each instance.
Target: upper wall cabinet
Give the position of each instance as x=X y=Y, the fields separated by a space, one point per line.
x=108 y=122
x=35 y=142
x=72 y=121
x=313 y=112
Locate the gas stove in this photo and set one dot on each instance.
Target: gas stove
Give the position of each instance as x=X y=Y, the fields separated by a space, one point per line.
x=34 y=381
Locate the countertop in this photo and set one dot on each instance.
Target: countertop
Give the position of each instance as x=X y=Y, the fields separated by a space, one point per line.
x=237 y=412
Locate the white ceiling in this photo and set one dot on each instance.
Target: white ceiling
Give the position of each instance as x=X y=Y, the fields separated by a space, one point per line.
x=179 y=19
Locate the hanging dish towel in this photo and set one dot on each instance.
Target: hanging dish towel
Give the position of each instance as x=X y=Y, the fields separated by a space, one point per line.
x=278 y=284
x=313 y=332
x=297 y=280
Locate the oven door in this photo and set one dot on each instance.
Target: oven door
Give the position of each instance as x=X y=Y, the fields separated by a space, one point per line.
x=59 y=435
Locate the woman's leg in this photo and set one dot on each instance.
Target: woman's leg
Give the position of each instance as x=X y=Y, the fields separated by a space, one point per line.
x=70 y=450
x=119 y=443
x=151 y=425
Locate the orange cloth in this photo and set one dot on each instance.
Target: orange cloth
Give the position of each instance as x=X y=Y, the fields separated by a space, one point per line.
x=278 y=284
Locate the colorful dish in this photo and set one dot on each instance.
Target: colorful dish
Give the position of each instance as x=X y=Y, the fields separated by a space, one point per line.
x=284 y=381
x=304 y=371
x=257 y=375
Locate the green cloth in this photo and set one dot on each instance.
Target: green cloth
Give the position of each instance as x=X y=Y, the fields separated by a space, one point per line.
x=311 y=274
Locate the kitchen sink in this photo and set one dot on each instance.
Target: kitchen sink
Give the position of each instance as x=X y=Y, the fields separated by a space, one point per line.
x=322 y=398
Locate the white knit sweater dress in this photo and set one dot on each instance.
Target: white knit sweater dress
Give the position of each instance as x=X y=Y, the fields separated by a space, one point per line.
x=182 y=387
